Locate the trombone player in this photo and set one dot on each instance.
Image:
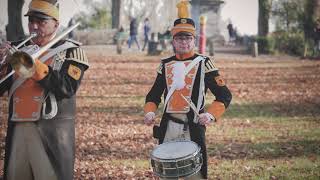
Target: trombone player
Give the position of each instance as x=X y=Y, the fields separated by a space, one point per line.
x=40 y=142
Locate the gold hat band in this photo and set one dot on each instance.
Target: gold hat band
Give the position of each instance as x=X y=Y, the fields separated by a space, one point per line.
x=44 y=7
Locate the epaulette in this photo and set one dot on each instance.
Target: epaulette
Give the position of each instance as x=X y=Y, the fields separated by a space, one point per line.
x=78 y=55
x=209 y=65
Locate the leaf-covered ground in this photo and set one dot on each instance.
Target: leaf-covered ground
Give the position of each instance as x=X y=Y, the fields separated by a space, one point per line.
x=270 y=131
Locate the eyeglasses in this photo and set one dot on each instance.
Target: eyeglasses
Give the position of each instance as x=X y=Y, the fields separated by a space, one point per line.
x=180 y=39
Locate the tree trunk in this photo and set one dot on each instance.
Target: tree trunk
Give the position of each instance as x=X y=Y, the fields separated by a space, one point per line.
x=115 y=11
x=14 y=28
x=263 y=19
x=317 y=9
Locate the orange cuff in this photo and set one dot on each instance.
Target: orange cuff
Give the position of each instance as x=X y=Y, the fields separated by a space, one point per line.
x=41 y=70
x=150 y=107
x=216 y=109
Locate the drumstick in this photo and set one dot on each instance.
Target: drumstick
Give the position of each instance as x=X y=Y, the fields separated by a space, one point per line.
x=193 y=107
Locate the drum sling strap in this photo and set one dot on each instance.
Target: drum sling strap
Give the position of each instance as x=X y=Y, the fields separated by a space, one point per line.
x=43 y=59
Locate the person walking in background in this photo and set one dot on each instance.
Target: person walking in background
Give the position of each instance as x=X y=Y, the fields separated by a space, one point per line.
x=146 y=31
x=133 y=32
x=120 y=39
x=40 y=141
x=231 y=33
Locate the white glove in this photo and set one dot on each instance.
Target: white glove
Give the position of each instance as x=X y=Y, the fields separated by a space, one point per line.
x=149 y=118
x=206 y=118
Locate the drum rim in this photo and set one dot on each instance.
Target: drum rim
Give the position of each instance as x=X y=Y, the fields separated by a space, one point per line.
x=195 y=171
x=198 y=149
x=176 y=159
x=197 y=153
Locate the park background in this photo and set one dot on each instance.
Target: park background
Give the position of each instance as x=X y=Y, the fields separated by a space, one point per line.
x=272 y=127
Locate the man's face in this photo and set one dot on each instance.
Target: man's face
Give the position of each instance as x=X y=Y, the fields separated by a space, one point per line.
x=44 y=28
x=183 y=43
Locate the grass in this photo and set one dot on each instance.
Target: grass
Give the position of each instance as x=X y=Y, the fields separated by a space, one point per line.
x=263 y=141
x=282 y=168
x=256 y=141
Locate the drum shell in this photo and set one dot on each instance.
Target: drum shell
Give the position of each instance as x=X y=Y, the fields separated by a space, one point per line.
x=177 y=167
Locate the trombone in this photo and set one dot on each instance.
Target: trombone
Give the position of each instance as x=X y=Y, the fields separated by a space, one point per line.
x=17 y=58
x=14 y=49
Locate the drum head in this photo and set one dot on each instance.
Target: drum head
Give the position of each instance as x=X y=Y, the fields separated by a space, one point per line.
x=175 y=149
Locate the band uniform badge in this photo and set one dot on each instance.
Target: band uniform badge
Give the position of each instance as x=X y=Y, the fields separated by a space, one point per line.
x=220 y=81
x=74 y=72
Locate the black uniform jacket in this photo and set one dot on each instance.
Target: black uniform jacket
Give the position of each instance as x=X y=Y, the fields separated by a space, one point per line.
x=197 y=131
x=57 y=134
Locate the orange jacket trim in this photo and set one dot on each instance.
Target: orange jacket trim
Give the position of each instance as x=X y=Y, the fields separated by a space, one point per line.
x=41 y=70
x=150 y=107
x=216 y=109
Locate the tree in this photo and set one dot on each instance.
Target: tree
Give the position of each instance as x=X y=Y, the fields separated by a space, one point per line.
x=309 y=18
x=263 y=18
x=115 y=13
x=288 y=14
x=98 y=17
x=14 y=28
x=296 y=18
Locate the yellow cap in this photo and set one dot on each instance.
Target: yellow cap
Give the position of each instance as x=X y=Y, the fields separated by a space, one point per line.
x=43 y=9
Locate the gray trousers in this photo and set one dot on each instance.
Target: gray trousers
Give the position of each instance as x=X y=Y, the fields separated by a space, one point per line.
x=28 y=159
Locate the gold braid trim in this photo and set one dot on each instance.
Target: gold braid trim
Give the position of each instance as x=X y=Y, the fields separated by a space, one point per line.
x=77 y=55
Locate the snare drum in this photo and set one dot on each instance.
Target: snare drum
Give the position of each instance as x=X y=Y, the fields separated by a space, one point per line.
x=176 y=159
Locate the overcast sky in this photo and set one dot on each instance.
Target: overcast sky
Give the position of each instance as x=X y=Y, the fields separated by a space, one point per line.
x=242 y=13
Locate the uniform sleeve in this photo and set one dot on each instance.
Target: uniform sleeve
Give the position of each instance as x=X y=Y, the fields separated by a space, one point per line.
x=65 y=83
x=217 y=86
x=153 y=98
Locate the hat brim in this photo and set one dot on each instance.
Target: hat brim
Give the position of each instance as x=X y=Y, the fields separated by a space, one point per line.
x=38 y=15
x=183 y=27
x=184 y=33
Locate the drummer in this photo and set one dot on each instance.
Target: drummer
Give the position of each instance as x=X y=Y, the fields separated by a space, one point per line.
x=184 y=79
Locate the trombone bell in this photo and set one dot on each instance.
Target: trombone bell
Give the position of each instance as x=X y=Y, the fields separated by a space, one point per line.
x=22 y=63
